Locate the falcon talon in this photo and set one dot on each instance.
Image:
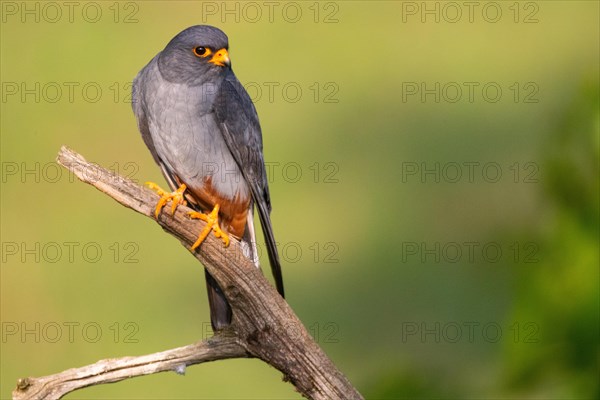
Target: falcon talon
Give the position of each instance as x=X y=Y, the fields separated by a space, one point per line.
x=176 y=197
x=212 y=223
x=155 y=187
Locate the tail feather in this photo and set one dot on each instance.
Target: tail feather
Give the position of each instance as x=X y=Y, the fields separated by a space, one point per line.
x=220 y=311
x=265 y=221
x=248 y=242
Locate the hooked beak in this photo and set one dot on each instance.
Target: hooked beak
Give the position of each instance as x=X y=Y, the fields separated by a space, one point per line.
x=221 y=58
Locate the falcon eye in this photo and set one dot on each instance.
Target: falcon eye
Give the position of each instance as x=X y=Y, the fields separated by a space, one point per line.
x=201 y=51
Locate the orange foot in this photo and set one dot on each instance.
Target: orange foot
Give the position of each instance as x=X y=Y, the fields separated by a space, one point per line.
x=212 y=223
x=176 y=197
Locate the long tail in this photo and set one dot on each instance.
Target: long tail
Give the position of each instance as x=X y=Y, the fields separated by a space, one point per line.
x=220 y=311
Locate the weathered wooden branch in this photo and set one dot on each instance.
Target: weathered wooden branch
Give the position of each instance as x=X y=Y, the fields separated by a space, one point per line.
x=263 y=326
x=117 y=369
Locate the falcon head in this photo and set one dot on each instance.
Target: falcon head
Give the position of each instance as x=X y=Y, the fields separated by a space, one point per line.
x=195 y=56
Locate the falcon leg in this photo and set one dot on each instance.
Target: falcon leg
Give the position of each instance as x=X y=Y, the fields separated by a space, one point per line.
x=212 y=223
x=176 y=197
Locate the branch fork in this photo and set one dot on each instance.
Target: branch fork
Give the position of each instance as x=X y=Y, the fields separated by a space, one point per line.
x=263 y=325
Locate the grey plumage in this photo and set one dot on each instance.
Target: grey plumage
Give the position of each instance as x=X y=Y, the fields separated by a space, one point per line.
x=202 y=130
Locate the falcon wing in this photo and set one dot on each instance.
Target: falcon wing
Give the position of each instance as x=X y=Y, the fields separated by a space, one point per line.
x=238 y=121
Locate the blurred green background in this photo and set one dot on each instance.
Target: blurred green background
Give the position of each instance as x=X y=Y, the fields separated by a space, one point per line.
x=437 y=243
